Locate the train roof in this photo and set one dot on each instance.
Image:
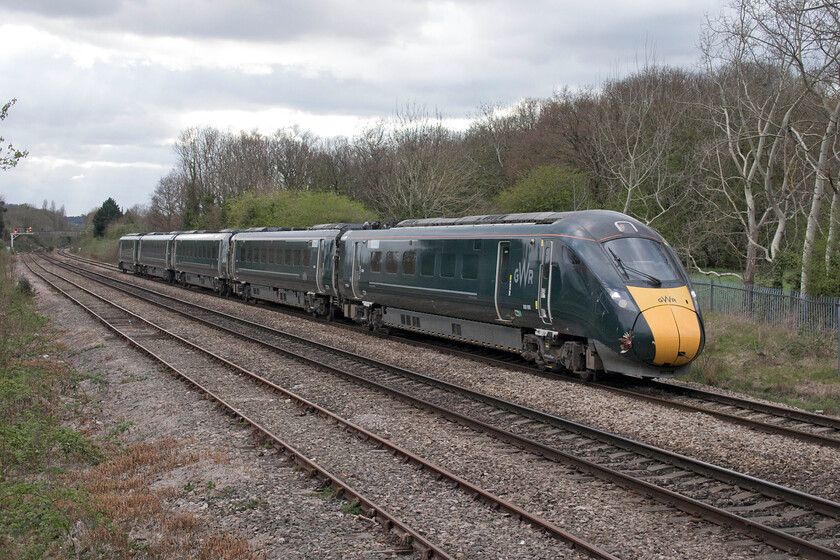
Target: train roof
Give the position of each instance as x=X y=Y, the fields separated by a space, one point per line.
x=203 y=236
x=157 y=236
x=297 y=234
x=591 y=225
x=490 y=219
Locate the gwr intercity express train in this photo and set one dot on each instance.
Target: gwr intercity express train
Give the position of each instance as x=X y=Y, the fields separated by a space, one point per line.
x=583 y=291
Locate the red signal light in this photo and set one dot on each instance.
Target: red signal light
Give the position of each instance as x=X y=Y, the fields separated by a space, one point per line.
x=15 y=231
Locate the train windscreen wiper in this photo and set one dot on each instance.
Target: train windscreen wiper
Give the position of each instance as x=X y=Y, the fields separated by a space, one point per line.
x=628 y=269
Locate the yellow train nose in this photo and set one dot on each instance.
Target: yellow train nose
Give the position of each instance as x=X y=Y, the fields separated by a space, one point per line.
x=673 y=323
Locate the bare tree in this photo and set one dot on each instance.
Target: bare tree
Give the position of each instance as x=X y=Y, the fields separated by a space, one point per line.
x=638 y=127
x=167 y=204
x=9 y=155
x=428 y=173
x=804 y=37
x=293 y=153
x=756 y=100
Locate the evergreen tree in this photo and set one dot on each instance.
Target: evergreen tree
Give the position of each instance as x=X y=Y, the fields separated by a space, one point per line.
x=109 y=212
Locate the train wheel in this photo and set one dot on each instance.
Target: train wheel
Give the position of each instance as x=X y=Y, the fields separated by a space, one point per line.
x=586 y=376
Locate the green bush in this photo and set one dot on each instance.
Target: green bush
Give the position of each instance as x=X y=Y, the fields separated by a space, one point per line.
x=546 y=188
x=294 y=209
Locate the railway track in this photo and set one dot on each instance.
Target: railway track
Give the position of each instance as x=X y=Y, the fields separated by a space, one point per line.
x=785 y=518
x=201 y=368
x=764 y=417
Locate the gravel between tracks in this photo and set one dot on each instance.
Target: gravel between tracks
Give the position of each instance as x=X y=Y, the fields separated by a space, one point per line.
x=801 y=465
x=602 y=509
x=256 y=493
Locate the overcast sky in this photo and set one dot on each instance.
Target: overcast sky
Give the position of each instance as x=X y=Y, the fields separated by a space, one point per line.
x=105 y=86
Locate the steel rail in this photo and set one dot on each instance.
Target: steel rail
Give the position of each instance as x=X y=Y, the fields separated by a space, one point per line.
x=389 y=521
x=495 y=502
x=768 y=534
x=817 y=420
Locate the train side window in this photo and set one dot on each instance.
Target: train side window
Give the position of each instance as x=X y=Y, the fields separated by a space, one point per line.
x=287 y=256
x=447 y=265
x=376 y=261
x=427 y=264
x=296 y=255
x=469 y=267
x=307 y=256
x=409 y=262
x=392 y=262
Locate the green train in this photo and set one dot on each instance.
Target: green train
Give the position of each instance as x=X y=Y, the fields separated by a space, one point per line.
x=584 y=291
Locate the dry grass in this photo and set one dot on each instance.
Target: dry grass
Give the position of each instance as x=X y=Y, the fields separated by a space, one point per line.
x=122 y=489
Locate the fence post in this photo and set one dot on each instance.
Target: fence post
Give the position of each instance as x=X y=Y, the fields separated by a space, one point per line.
x=711 y=295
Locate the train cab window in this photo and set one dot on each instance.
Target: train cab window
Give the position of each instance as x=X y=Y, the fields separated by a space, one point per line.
x=469 y=267
x=447 y=265
x=409 y=261
x=392 y=262
x=427 y=264
x=642 y=260
x=376 y=261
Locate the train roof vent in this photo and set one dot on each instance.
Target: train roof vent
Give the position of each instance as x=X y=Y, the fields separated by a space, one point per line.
x=528 y=218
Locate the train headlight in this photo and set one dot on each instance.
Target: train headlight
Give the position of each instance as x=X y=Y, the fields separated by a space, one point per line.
x=695 y=301
x=623 y=300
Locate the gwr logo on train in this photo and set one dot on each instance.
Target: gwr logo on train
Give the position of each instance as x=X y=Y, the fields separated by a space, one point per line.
x=667 y=299
x=524 y=274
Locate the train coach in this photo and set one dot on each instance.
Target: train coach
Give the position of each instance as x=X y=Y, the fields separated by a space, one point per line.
x=291 y=267
x=583 y=291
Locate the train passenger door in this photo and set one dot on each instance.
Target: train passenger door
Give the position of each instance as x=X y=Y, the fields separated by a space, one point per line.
x=319 y=265
x=544 y=288
x=357 y=269
x=503 y=283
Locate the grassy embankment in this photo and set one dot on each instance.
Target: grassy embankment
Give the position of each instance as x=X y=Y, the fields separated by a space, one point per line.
x=76 y=493
x=99 y=248
x=770 y=362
